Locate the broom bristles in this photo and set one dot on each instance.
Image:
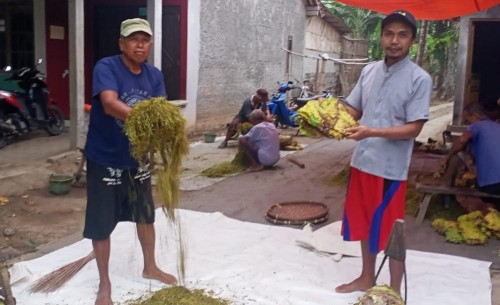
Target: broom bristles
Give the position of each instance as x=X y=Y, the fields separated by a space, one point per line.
x=57 y=278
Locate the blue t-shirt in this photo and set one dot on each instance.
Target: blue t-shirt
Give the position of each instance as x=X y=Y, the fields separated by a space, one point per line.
x=486 y=150
x=107 y=144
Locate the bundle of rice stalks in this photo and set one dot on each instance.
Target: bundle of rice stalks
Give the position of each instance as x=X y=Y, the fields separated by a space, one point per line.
x=156 y=129
x=328 y=117
x=380 y=295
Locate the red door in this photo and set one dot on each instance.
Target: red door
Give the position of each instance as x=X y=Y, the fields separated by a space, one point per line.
x=57 y=42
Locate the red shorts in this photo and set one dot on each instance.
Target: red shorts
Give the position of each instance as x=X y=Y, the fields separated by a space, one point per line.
x=372 y=206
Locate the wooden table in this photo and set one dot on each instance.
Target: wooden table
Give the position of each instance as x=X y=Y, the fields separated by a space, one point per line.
x=444 y=185
x=430 y=190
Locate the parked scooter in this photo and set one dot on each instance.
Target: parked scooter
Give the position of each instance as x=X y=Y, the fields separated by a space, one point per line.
x=300 y=102
x=29 y=108
x=277 y=105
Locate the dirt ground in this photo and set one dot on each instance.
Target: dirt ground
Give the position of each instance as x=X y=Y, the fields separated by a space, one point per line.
x=38 y=217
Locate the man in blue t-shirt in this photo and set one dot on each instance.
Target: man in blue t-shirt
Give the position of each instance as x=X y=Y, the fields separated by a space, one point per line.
x=117 y=189
x=483 y=136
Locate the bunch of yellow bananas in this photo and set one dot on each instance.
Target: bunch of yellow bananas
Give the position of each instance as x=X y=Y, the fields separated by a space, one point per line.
x=328 y=117
x=474 y=228
x=380 y=295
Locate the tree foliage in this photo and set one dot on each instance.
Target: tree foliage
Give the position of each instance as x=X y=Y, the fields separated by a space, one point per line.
x=361 y=22
x=441 y=36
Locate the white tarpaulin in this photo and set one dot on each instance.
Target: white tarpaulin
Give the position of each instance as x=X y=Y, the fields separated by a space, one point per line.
x=329 y=241
x=249 y=263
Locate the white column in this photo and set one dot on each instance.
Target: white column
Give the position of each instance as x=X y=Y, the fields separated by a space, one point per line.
x=39 y=31
x=155 y=20
x=76 y=73
x=193 y=60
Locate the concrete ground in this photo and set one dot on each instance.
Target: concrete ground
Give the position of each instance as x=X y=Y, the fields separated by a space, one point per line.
x=247 y=196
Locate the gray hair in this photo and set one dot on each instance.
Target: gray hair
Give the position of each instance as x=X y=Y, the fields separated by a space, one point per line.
x=257 y=115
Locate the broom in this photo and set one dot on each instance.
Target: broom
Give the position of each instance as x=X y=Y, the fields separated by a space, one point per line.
x=57 y=278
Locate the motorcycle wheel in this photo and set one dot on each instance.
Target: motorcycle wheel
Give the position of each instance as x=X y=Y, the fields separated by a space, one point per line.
x=55 y=120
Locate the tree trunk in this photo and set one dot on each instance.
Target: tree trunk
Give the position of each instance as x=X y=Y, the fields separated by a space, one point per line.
x=424 y=28
x=447 y=89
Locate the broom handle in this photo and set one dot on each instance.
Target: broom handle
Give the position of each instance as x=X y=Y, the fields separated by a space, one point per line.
x=295 y=161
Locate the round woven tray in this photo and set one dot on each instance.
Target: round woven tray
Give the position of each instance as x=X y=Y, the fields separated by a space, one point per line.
x=297 y=212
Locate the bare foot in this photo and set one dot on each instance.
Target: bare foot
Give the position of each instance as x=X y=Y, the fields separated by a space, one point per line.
x=104 y=295
x=255 y=168
x=161 y=276
x=223 y=144
x=359 y=284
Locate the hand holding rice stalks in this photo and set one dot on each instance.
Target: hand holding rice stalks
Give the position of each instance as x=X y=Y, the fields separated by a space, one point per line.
x=328 y=117
x=156 y=127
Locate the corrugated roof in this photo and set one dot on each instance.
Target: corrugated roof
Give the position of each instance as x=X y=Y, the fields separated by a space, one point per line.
x=316 y=8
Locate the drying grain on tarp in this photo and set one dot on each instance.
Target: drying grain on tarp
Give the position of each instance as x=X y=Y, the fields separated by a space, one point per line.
x=156 y=130
x=182 y=296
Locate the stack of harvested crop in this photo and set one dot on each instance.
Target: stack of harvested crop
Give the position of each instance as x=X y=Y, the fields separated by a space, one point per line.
x=182 y=296
x=473 y=228
x=328 y=117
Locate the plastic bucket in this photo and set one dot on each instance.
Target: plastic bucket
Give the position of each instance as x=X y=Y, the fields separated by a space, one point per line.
x=209 y=137
x=60 y=184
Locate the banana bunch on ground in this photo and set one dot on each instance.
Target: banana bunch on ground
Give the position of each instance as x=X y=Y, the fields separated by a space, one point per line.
x=466 y=179
x=289 y=143
x=328 y=117
x=474 y=228
x=380 y=295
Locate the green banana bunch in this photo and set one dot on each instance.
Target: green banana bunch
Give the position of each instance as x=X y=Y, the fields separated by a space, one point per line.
x=328 y=117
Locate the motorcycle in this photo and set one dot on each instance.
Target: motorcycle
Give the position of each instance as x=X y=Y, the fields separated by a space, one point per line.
x=288 y=115
x=29 y=108
x=277 y=105
x=306 y=95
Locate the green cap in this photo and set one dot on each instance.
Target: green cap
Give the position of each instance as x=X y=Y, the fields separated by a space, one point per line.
x=131 y=26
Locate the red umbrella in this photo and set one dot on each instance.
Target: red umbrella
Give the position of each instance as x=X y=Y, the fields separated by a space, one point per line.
x=426 y=9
